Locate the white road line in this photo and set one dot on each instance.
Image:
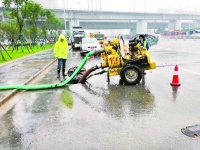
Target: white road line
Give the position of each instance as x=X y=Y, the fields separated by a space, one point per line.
x=190 y=71
x=196 y=73
x=193 y=52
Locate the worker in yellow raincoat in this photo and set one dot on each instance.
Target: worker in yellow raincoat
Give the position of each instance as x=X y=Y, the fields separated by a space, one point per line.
x=61 y=53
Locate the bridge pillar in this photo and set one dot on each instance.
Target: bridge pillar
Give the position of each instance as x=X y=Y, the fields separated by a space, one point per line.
x=174 y=25
x=196 y=23
x=72 y=23
x=141 y=26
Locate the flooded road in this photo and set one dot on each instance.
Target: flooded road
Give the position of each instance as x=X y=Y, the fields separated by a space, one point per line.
x=19 y=73
x=112 y=116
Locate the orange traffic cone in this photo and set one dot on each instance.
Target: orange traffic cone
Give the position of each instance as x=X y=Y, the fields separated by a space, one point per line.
x=175 y=80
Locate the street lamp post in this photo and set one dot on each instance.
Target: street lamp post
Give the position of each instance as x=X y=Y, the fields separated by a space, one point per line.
x=179 y=8
x=190 y=18
x=71 y=19
x=88 y=5
x=64 y=16
x=145 y=9
x=100 y=4
x=134 y=7
x=71 y=22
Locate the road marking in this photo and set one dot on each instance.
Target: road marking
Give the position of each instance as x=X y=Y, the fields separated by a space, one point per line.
x=10 y=100
x=190 y=71
x=196 y=73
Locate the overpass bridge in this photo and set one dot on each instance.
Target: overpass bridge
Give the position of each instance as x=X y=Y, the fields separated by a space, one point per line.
x=128 y=20
x=137 y=21
x=117 y=15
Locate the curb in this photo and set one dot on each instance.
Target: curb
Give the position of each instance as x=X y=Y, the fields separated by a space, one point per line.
x=8 y=97
x=36 y=74
x=14 y=92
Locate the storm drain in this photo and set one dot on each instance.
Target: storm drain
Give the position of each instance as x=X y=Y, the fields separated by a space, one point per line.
x=77 y=77
x=192 y=131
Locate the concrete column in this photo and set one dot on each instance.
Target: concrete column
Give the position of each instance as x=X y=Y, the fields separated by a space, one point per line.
x=76 y=22
x=71 y=24
x=178 y=25
x=132 y=32
x=174 y=25
x=196 y=23
x=141 y=26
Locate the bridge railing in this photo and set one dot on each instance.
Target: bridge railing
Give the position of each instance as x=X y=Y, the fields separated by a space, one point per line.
x=128 y=10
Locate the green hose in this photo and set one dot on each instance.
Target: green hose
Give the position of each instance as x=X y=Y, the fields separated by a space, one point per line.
x=50 y=86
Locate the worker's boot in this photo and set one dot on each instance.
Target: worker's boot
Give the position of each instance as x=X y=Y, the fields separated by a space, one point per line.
x=58 y=70
x=63 y=72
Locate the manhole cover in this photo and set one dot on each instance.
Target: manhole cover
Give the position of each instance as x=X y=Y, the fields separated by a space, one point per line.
x=77 y=77
x=192 y=131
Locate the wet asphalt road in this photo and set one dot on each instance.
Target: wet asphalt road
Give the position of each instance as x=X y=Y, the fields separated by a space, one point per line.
x=112 y=116
x=19 y=73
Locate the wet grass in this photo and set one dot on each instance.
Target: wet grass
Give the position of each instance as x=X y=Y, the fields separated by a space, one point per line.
x=15 y=54
x=66 y=99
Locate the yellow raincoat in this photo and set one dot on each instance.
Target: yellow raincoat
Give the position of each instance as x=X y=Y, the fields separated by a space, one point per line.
x=61 y=48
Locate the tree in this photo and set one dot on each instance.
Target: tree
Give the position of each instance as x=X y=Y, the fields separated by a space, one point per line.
x=9 y=28
x=17 y=13
x=35 y=17
x=52 y=23
x=34 y=12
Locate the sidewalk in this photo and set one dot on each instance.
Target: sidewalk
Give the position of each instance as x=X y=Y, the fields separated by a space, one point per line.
x=23 y=70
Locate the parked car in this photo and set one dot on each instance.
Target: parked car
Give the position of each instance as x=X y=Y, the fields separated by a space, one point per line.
x=195 y=36
x=42 y=41
x=89 y=44
x=51 y=40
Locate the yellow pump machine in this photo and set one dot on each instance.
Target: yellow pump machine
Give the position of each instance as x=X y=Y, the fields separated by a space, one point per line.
x=129 y=62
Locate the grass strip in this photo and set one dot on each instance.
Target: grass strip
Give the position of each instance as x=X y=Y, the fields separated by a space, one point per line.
x=15 y=54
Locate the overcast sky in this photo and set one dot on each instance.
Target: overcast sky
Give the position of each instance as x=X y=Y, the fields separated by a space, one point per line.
x=124 y=5
x=131 y=5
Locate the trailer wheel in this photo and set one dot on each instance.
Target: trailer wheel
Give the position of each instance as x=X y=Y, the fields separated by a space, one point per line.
x=131 y=75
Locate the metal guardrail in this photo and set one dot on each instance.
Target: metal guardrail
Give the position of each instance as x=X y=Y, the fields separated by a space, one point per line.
x=118 y=11
x=131 y=11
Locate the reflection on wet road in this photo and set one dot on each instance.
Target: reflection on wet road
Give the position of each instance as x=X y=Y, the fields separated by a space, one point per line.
x=18 y=73
x=111 y=116
x=133 y=102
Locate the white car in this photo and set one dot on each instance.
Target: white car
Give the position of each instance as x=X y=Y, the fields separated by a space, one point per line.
x=42 y=41
x=89 y=44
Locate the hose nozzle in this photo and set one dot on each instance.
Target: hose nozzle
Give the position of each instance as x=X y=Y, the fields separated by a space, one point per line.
x=101 y=50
